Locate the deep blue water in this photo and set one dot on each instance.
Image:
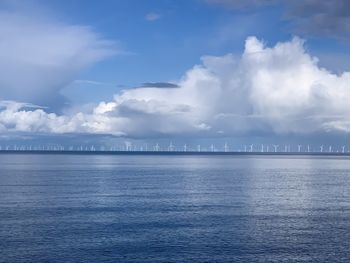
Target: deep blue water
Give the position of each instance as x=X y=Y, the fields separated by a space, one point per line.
x=86 y=208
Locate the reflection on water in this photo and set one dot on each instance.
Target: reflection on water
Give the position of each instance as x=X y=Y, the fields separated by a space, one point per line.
x=75 y=208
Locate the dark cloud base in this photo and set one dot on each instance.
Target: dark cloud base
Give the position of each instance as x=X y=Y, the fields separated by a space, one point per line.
x=329 y=18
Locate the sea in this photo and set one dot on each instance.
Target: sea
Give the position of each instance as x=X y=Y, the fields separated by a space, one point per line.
x=174 y=208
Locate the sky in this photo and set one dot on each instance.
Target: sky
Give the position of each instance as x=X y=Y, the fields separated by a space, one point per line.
x=188 y=71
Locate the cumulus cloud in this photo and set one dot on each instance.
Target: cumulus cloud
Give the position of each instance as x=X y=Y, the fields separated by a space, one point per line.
x=40 y=56
x=275 y=90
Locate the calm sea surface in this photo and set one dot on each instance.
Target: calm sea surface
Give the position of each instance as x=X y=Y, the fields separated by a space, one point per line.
x=96 y=208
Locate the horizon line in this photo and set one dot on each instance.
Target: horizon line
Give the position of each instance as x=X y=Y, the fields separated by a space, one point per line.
x=228 y=153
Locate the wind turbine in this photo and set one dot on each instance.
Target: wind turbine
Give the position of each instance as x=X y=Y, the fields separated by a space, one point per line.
x=251 y=147
x=275 y=146
x=198 y=148
x=156 y=148
x=299 y=148
x=262 y=148
x=225 y=147
x=343 y=149
x=171 y=147
x=321 y=148
x=212 y=147
x=308 y=148
x=330 y=148
x=128 y=146
x=185 y=148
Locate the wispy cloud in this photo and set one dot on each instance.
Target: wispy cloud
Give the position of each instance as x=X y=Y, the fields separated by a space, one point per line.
x=241 y=4
x=159 y=85
x=152 y=16
x=40 y=56
x=92 y=82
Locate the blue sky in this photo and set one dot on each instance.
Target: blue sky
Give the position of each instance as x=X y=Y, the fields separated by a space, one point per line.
x=162 y=50
x=80 y=67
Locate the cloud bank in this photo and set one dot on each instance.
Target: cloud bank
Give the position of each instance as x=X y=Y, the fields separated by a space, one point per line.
x=274 y=90
x=40 y=56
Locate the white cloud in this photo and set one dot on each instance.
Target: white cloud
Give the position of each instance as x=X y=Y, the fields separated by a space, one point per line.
x=40 y=56
x=278 y=90
x=152 y=17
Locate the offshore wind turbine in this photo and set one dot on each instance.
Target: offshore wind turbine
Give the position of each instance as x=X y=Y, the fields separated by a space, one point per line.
x=157 y=147
x=330 y=148
x=299 y=148
x=321 y=148
x=225 y=147
x=343 y=149
x=251 y=147
x=275 y=146
x=171 y=147
x=198 y=148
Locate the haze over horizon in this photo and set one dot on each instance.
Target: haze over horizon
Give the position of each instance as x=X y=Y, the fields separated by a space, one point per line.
x=189 y=71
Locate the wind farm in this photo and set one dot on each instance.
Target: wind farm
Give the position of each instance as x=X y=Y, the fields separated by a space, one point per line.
x=129 y=148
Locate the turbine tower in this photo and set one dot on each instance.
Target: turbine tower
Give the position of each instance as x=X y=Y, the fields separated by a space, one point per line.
x=343 y=149
x=128 y=146
x=156 y=148
x=321 y=148
x=299 y=148
x=225 y=148
x=275 y=146
x=171 y=147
